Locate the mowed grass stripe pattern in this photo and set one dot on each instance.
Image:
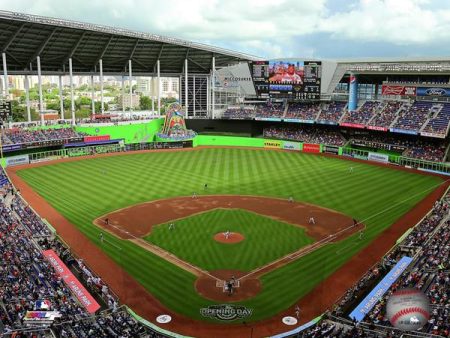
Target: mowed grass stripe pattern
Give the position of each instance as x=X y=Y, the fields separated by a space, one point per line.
x=259 y=247
x=87 y=189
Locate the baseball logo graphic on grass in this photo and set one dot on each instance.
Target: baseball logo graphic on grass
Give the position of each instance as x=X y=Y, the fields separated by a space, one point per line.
x=408 y=309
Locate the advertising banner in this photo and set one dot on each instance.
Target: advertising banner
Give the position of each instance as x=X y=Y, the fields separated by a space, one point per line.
x=326 y=122
x=272 y=144
x=433 y=91
x=398 y=90
x=331 y=149
x=291 y=146
x=311 y=148
x=17 y=160
x=298 y=121
x=403 y=131
x=377 y=128
x=352 y=125
x=273 y=119
x=96 y=138
x=72 y=282
x=379 y=290
x=432 y=135
x=12 y=147
x=378 y=157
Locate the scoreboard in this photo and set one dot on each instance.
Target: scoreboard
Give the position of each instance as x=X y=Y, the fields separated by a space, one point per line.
x=291 y=79
x=5 y=110
x=260 y=75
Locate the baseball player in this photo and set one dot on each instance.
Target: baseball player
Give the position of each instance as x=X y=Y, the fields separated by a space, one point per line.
x=350 y=170
x=107 y=221
x=171 y=226
x=291 y=199
x=227 y=234
x=361 y=234
x=206 y=186
x=101 y=237
x=297 y=311
x=312 y=221
x=194 y=194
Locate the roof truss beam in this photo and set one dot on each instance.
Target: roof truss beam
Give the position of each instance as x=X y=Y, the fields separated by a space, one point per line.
x=42 y=46
x=74 y=49
x=11 y=39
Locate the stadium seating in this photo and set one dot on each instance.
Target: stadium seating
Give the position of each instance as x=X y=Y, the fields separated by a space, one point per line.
x=239 y=113
x=439 y=124
x=302 y=111
x=387 y=115
x=270 y=110
x=428 y=243
x=363 y=114
x=308 y=134
x=24 y=136
x=414 y=117
x=26 y=277
x=332 y=112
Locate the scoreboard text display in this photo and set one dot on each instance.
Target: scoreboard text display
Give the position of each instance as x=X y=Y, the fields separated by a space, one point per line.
x=5 y=110
x=293 y=79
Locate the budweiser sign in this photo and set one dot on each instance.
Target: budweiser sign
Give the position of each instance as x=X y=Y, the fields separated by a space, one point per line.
x=398 y=90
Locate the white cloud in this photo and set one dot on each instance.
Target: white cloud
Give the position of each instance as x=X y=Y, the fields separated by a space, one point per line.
x=394 y=21
x=264 y=27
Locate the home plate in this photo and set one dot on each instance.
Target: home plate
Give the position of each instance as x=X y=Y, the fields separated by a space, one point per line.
x=163 y=319
x=289 y=320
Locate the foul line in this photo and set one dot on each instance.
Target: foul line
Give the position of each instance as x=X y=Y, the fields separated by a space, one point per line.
x=173 y=257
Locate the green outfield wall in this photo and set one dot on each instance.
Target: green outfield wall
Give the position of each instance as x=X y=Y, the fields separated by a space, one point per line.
x=131 y=133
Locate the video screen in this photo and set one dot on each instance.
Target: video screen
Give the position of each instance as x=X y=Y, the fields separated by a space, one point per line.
x=286 y=73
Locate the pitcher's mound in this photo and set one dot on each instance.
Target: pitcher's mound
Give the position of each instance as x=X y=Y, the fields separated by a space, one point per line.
x=232 y=237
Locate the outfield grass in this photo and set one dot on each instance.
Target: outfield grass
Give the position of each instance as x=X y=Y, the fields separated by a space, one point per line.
x=259 y=247
x=85 y=190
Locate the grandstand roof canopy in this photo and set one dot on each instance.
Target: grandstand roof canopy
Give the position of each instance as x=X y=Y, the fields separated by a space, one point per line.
x=23 y=37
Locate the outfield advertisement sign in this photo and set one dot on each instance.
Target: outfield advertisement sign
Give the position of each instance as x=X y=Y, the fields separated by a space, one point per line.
x=403 y=131
x=226 y=312
x=432 y=135
x=379 y=290
x=272 y=119
x=377 y=128
x=398 y=90
x=272 y=144
x=311 y=148
x=71 y=281
x=17 y=160
x=378 y=157
x=331 y=123
x=88 y=139
x=433 y=91
x=331 y=149
x=352 y=125
x=291 y=146
x=299 y=121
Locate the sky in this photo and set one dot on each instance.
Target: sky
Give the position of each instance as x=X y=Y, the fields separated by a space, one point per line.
x=324 y=29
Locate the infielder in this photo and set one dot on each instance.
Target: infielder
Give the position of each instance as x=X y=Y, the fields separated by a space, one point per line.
x=312 y=221
x=171 y=226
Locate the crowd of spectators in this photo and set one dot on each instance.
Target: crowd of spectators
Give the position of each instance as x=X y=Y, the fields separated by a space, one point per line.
x=419 y=148
x=26 y=278
x=440 y=123
x=307 y=134
x=239 y=113
x=270 y=109
x=303 y=111
x=363 y=114
x=26 y=136
x=332 y=112
x=387 y=115
x=429 y=244
x=414 y=117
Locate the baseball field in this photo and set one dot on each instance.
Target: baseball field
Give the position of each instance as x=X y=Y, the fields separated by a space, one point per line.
x=247 y=194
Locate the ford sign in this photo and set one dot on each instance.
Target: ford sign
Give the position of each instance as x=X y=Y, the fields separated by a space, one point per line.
x=436 y=92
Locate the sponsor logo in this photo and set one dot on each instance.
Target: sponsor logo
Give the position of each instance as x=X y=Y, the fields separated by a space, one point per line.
x=226 y=312
x=436 y=92
x=272 y=144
